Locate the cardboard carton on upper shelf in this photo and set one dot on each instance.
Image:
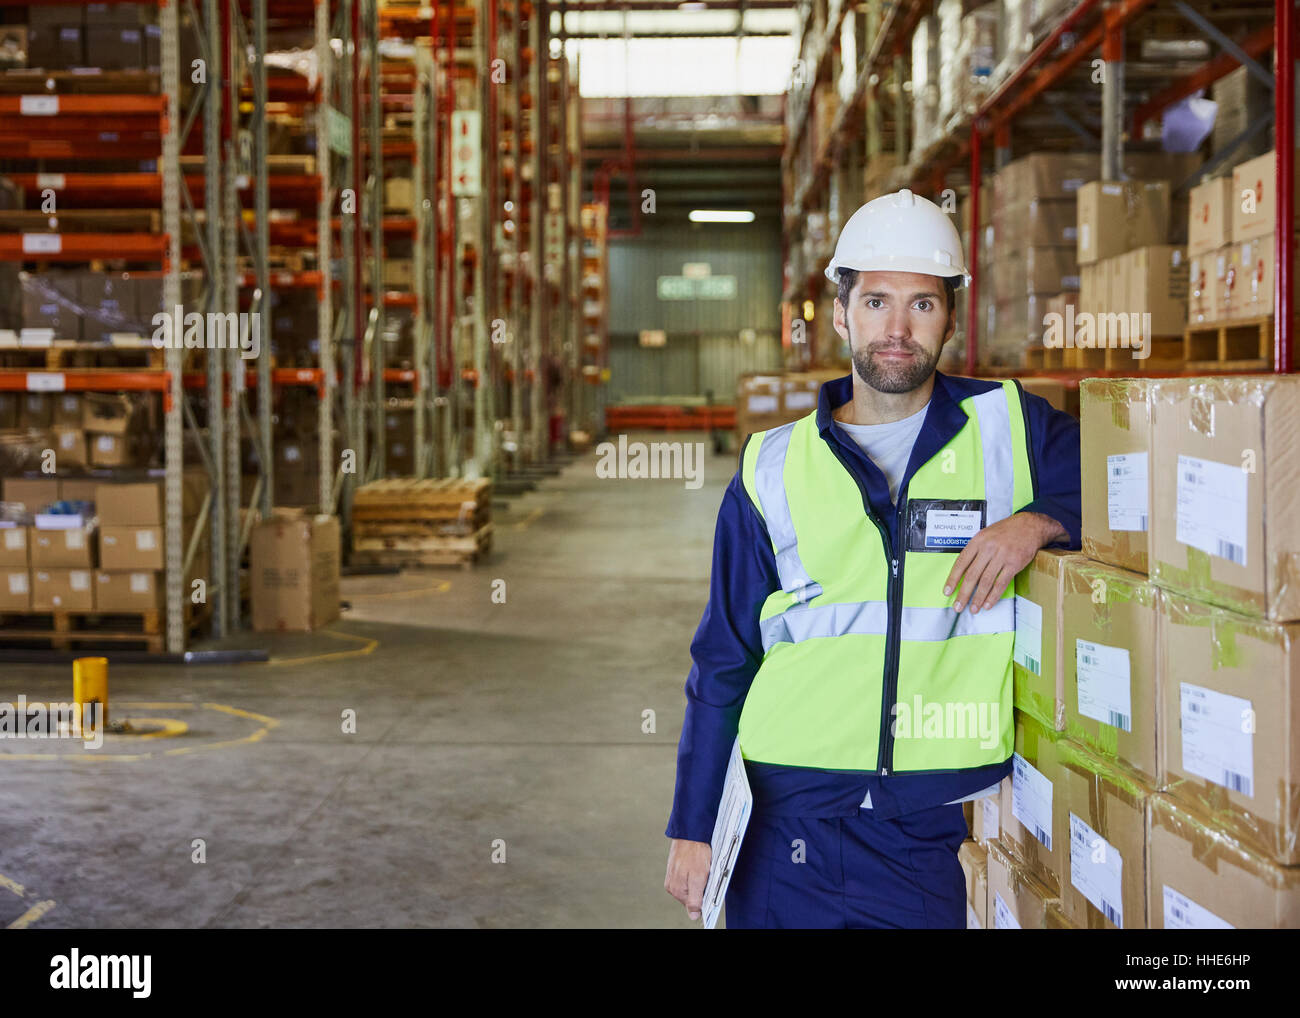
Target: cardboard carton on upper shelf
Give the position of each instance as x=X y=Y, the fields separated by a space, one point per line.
x=131 y=591
x=1230 y=721
x=35 y=494
x=1209 y=221
x=1117 y=216
x=15 y=589
x=1207 y=291
x=1115 y=437
x=63 y=548
x=62 y=590
x=1200 y=877
x=131 y=548
x=109 y=450
x=1109 y=660
x=1254 y=193
x=295 y=572
x=105 y=413
x=67 y=412
x=70 y=448
x=1225 y=522
x=129 y=505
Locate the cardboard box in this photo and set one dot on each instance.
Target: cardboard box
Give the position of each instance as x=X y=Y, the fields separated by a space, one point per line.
x=1036 y=661
x=1207 y=285
x=115 y=47
x=15 y=589
x=109 y=298
x=1089 y=293
x=1230 y=721
x=55 y=47
x=69 y=448
x=1225 y=523
x=13 y=546
x=1035 y=827
x=1155 y=283
x=63 y=590
x=986 y=823
x=1199 y=877
x=1037 y=222
x=129 y=505
x=1115 y=437
x=1041 y=270
x=9 y=410
x=36 y=410
x=118 y=14
x=1042 y=175
x=106 y=413
x=73 y=548
x=1017 y=899
x=1109 y=659
x=1118 y=216
x=108 y=450
x=127 y=548
x=1254 y=277
x=67 y=411
x=1254 y=187
x=78 y=489
x=399 y=273
x=399 y=194
x=1106 y=886
x=138 y=591
x=974 y=859
x=13 y=47
x=295 y=572
x=35 y=495
x=1209 y=221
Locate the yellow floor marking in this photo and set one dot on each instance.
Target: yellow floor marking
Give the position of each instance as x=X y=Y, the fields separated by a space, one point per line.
x=441 y=588
x=168 y=728
x=530 y=518
x=154 y=705
x=266 y=722
x=31 y=915
x=13 y=885
x=369 y=647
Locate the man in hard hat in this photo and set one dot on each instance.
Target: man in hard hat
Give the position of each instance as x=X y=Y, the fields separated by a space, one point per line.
x=859 y=630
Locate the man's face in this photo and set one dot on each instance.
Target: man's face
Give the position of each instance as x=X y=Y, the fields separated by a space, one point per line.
x=896 y=324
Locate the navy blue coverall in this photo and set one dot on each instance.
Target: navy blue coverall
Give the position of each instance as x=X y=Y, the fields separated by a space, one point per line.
x=813 y=856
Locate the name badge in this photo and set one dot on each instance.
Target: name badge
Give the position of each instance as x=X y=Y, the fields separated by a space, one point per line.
x=937 y=524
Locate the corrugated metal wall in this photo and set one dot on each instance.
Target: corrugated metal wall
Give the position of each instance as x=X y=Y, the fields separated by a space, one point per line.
x=704 y=348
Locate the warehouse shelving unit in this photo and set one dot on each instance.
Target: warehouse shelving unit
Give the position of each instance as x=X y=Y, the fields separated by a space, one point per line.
x=870 y=109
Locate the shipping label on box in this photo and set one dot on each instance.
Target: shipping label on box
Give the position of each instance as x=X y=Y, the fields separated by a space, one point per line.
x=63 y=548
x=62 y=590
x=1209 y=223
x=1036 y=653
x=13 y=545
x=15 y=589
x=130 y=548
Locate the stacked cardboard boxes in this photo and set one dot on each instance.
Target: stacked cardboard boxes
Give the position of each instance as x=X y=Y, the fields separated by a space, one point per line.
x=768 y=400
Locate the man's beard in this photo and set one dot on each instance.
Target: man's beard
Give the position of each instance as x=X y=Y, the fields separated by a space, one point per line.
x=892 y=376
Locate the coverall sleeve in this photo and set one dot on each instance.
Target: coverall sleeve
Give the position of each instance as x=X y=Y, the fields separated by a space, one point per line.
x=726 y=653
x=1054 y=446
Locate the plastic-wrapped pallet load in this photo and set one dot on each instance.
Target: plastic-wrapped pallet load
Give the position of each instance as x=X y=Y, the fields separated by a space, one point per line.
x=1032 y=813
x=1017 y=899
x=974 y=859
x=1037 y=671
x=925 y=84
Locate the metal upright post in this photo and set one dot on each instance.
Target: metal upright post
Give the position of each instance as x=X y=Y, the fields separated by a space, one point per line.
x=536 y=224
x=261 y=255
x=173 y=424
x=230 y=297
x=324 y=255
x=216 y=295
x=375 y=210
x=353 y=314
x=1112 y=99
x=421 y=130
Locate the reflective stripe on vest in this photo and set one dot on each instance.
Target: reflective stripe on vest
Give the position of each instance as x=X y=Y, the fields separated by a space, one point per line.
x=864 y=618
x=995 y=438
x=770 y=478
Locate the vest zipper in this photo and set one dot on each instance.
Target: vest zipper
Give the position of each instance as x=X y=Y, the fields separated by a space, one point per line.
x=893 y=638
x=894 y=603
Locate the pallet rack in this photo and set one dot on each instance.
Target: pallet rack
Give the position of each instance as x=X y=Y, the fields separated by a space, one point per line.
x=873 y=108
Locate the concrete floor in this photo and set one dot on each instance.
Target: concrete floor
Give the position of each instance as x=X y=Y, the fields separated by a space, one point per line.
x=478 y=725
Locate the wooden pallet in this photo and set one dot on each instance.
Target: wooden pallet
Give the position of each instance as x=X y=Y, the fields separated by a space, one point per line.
x=61 y=355
x=1212 y=346
x=421 y=552
x=66 y=630
x=22 y=81
x=82 y=221
x=421 y=500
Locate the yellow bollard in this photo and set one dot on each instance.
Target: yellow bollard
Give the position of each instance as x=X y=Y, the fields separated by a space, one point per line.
x=90 y=685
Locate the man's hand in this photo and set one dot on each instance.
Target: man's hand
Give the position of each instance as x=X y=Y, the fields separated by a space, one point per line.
x=688 y=872
x=995 y=554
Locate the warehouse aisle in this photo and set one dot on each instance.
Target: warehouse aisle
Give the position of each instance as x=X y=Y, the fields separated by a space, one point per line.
x=481 y=728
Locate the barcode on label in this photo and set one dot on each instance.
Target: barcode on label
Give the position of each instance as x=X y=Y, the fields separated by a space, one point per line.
x=1110 y=912
x=1116 y=471
x=1120 y=720
x=1238 y=782
x=1190 y=477
x=1232 y=552
x=1032 y=664
x=1088 y=659
x=1044 y=836
x=1176 y=912
x=1142 y=522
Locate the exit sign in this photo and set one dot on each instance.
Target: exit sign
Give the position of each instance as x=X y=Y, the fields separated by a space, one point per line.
x=696 y=288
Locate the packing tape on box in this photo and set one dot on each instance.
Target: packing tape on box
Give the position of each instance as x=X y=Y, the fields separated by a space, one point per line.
x=1213 y=840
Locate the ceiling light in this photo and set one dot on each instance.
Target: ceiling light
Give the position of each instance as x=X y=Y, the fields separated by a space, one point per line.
x=720 y=216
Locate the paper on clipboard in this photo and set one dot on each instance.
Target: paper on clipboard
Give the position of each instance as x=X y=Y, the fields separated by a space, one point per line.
x=728 y=832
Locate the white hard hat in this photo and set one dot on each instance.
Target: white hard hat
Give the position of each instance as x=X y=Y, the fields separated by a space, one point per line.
x=900 y=232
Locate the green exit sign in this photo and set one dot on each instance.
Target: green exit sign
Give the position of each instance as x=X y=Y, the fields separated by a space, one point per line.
x=696 y=288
